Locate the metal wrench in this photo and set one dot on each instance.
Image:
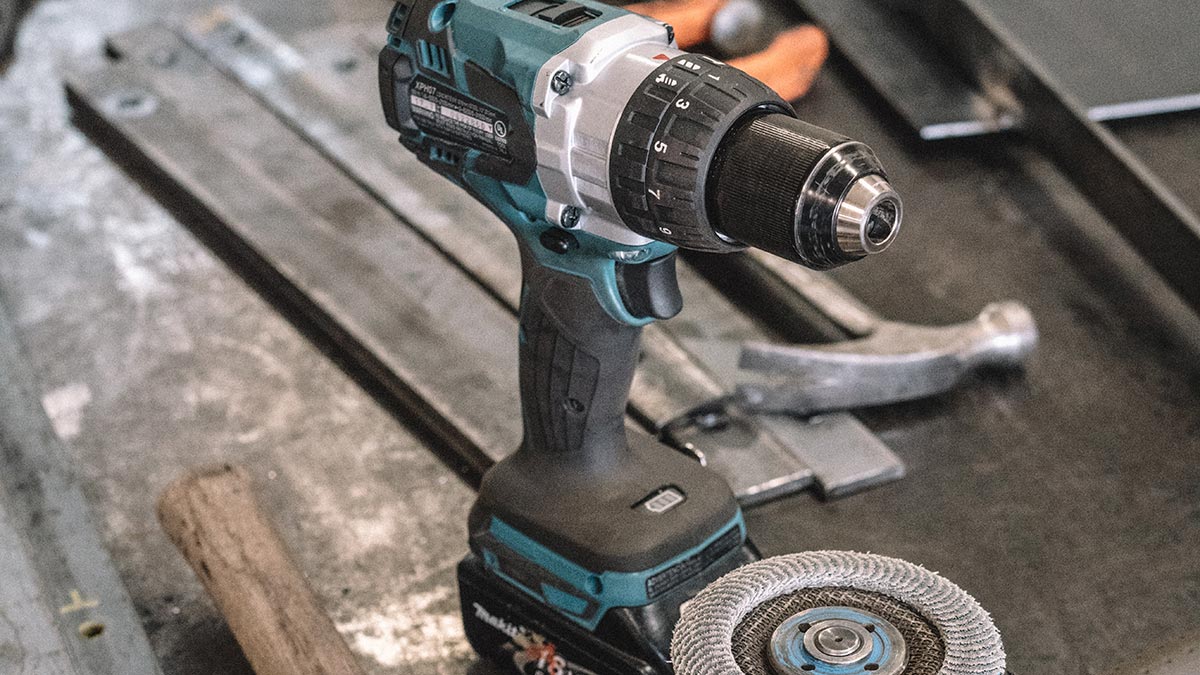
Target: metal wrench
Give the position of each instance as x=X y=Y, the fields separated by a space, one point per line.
x=889 y=361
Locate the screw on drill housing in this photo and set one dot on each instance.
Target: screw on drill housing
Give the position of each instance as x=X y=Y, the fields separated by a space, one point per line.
x=570 y=217
x=562 y=82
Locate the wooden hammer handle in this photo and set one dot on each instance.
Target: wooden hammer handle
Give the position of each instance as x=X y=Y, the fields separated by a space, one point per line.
x=213 y=518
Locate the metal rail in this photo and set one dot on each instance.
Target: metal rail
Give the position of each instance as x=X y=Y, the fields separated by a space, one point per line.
x=63 y=608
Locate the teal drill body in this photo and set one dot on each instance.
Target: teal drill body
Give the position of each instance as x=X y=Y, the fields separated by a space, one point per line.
x=490 y=56
x=563 y=521
x=604 y=148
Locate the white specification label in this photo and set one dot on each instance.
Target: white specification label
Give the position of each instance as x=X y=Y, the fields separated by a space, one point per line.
x=442 y=111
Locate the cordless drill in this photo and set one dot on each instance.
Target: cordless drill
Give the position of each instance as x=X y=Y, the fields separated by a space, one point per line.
x=605 y=149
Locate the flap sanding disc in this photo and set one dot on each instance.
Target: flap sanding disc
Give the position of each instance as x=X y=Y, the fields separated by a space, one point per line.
x=835 y=612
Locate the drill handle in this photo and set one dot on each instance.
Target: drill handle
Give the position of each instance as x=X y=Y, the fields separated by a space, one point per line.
x=576 y=367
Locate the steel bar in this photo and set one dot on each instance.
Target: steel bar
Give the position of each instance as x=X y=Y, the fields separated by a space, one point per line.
x=337 y=114
x=931 y=96
x=63 y=608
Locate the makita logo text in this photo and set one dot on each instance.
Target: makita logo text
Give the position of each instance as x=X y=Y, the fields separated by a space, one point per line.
x=531 y=653
x=498 y=623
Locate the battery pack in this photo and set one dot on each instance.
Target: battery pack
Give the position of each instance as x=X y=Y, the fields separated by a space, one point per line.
x=524 y=636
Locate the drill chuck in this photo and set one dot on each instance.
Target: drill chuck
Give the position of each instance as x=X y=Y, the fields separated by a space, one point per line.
x=801 y=192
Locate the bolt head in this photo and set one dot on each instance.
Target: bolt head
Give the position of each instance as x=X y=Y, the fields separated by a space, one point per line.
x=561 y=82
x=570 y=217
x=838 y=641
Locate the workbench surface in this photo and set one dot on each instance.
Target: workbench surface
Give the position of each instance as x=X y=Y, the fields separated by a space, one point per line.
x=1067 y=499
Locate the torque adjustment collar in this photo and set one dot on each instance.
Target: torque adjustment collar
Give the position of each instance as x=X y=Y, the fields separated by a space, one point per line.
x=665 y=142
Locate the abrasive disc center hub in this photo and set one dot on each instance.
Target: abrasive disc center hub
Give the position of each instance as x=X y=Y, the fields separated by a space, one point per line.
x=837 y=641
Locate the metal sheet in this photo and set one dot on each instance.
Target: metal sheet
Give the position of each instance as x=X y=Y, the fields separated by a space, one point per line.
x=1118 y=59
x=63 y=609
x=935 y=99
x=1139 y=206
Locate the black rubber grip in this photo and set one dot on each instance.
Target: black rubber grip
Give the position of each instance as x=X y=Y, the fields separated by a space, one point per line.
x=580 y=481
x=576 y=367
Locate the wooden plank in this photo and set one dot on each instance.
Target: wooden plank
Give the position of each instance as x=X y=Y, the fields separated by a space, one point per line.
x=213 y=517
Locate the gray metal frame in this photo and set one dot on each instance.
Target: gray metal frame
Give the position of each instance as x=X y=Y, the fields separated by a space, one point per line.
x=63 y=608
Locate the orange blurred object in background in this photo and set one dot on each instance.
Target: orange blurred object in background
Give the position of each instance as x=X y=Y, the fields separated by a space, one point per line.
x=789 y=65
